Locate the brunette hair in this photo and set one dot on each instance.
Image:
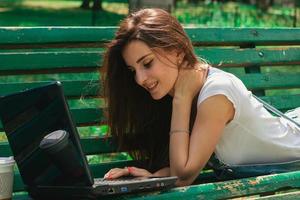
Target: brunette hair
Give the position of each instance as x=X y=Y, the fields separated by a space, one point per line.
x=138 y=123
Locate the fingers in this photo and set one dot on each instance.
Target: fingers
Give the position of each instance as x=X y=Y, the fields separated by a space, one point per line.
x=133 y=171
x=116 y=173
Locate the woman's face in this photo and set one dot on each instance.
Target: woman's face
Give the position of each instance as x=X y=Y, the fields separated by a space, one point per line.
x=156 y=72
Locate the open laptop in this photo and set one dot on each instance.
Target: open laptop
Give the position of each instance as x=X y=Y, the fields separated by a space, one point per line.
x=29 y=116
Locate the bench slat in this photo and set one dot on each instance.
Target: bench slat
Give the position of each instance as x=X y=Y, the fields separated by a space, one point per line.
x=271 y=80
x=83 y=116
x=226 y=189
x=285 y=196
x=219 y=57
x=71 y=87
x=242 y=36
x=204 y=36
x=49 y=60
x=80 y=88
x=25 y=35
x=248 y=57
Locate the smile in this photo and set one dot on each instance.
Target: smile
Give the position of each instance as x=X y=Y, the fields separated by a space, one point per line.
x=152 y=86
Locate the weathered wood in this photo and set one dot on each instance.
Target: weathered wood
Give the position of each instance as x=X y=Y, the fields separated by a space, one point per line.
x=71 y=87
x=282 y=196
x=203 y=36
x=73 y=55
x=226 y=189
x=218 y=57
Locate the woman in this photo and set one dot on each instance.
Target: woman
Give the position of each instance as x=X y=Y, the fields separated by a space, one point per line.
x=174 y=110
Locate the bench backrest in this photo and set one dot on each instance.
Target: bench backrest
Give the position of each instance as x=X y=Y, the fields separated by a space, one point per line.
x=266 y=60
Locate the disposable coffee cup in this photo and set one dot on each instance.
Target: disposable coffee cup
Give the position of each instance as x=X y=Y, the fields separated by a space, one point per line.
x=6 y=177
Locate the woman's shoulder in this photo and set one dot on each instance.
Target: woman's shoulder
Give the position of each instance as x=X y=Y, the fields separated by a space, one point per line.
x=220 y=79
x=219 y=82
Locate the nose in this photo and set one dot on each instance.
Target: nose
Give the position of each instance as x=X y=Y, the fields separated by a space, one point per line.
x=140 y=77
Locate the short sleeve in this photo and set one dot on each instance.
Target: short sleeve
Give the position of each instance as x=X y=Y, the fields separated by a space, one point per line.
x=221 y=84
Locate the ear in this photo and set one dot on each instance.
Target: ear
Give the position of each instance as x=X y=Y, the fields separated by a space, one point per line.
x=180 y=56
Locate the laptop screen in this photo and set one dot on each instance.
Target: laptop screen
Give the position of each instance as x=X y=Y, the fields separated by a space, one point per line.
x=29 y=116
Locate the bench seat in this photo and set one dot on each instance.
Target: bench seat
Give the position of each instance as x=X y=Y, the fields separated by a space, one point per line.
x=266 y=60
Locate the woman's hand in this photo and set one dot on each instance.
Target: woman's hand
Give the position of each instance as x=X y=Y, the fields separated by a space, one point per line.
x=127 y=171
x=189 y=81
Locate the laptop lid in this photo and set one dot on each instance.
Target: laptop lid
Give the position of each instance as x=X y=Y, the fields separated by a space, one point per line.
x=27 y=117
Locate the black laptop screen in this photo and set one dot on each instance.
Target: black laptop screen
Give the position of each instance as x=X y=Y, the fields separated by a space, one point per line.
x=29 y=116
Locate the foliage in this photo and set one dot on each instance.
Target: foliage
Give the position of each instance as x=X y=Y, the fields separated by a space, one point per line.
x=201 y=14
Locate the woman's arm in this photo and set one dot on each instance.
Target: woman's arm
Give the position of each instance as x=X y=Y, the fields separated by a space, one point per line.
x=189 y=154
x=162 y=172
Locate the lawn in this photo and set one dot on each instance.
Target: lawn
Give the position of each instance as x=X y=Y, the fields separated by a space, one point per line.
x=68 y=13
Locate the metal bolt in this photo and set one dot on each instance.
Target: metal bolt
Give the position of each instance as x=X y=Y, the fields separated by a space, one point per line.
x=261 y=54
x=255 y=33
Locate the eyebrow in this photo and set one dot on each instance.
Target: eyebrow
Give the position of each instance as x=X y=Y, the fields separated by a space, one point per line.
x=141 y=58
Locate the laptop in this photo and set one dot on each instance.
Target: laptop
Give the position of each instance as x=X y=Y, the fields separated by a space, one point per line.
x=27 y=117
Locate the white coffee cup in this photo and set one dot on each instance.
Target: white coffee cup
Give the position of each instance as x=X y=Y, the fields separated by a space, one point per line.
x=6 y=177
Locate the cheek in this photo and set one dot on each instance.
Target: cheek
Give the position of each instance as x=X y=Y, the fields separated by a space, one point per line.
x=170 y=77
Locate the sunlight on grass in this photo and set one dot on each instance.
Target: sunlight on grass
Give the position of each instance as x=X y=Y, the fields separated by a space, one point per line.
x=59 y=4
x=2 y=137
x=119 y=8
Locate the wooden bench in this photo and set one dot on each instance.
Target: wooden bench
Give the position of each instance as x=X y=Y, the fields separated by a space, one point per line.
x=266 y=60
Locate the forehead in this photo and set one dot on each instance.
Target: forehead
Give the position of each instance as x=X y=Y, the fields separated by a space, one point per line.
x=135 y=50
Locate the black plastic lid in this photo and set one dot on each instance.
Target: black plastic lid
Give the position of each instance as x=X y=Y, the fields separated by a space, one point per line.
x=54 y=141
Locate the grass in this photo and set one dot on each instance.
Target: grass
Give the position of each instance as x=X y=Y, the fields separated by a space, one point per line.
x=68 y=13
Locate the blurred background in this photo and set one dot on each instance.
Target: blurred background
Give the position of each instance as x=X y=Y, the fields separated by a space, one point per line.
x=191 y=13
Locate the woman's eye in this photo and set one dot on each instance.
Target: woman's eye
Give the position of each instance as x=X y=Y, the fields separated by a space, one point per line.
x=131 y=69
x=148 y=64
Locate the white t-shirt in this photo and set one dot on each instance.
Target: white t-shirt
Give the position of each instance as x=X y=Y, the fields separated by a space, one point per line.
x=254 y=136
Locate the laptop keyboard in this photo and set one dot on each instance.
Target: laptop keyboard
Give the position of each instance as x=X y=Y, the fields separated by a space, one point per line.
x=99 y=181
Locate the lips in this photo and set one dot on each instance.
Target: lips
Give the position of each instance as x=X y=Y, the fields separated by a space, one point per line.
x=152 y=86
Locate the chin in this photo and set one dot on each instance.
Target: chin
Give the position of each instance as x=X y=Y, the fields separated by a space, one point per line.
x=158 y=96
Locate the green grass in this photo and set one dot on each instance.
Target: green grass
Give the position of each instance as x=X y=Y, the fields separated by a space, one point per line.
x=68 y=13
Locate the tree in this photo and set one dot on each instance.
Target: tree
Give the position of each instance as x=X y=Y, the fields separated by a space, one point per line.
x=97 y=4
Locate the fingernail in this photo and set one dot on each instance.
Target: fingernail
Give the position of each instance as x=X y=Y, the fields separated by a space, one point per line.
x=130 y=170
x=107 y=175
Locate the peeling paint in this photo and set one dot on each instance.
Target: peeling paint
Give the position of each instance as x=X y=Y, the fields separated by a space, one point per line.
x=232 y=186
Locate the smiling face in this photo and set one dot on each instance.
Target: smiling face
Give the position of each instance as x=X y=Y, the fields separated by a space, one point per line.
x=156 y=72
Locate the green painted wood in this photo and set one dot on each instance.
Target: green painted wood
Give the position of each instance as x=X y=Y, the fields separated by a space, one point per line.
x=271 y=80
x=93 y=87
x=98 y=145
x=15 y=35
x=226 y=189
x=219 y=57
x=284 y=196
x=49 y=60
x=204 y=36
x=84 y=116
x=21 y=196
x=242 y=36
x=283 y=102
x=84 y=57
x=71 y=88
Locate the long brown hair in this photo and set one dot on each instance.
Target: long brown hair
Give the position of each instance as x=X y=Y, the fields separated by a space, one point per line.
x=140 y=124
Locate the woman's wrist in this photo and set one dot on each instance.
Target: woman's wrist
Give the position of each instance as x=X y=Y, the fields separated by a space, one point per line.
x=182 y=100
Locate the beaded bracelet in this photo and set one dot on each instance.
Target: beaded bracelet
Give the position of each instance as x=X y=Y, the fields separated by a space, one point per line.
x=177 y=131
